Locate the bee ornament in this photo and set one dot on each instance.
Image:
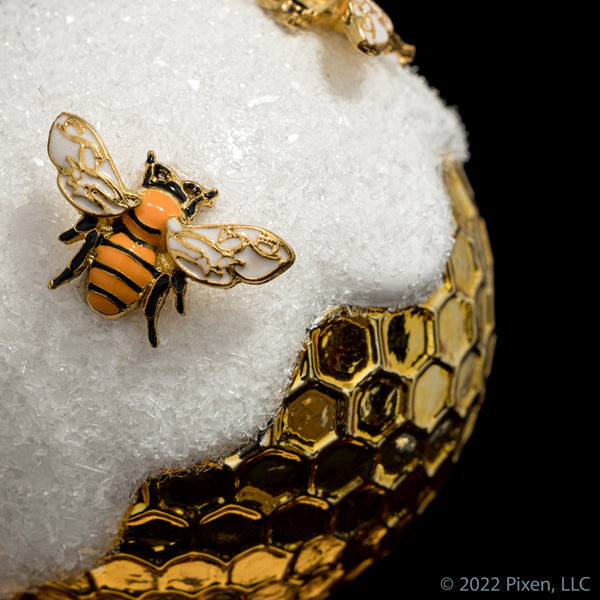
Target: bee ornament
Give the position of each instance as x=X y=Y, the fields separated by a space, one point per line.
x=140 y=245
x=365 y=23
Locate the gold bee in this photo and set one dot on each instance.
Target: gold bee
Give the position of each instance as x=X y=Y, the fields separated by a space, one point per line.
x=138 y=245
x=367 y=26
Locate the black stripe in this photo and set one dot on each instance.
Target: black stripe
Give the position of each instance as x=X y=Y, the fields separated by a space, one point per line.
x=143 y=225
x=170 y=186
x=122 y=228
x=116 y=301
x=132 y=284
x=150 y=268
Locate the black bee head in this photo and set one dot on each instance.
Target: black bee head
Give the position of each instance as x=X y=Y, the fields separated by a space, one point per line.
x=161 y=176
x=191 y=195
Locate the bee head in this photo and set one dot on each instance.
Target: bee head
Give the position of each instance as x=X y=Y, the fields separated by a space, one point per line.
x=189 y=194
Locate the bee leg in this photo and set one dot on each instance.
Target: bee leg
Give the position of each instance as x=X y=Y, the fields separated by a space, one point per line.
x=153 y=303
x=179 y=283
x=79 y=262
x=77 y=232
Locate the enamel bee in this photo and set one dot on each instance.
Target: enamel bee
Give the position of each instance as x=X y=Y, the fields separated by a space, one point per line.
x=365 y=23
x=140 y=245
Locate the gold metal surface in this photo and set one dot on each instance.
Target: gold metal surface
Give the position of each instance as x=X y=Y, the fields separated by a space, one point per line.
x=380 y=404
x=365 y=24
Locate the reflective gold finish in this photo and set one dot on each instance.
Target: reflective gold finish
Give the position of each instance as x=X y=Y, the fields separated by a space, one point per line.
x=366 y=25
x=381 y=403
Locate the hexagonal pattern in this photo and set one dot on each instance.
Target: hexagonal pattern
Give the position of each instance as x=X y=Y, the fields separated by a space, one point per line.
x=379 y=404
x=344 y=350
x=432 y=394
x=341 y=467
x=271 y=479
x=398 y=455
x=378 y=409
x=408 y=338
x=309 y=418
x=455 y=329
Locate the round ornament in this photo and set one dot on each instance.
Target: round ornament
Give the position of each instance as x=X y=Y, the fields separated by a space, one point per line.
x=281 y=437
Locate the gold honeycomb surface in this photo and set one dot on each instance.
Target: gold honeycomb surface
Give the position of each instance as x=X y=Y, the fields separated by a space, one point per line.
x=380 y=404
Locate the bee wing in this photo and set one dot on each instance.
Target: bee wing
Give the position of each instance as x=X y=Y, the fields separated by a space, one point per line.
x=368 y=26
x=225 y=255
x=87 y=176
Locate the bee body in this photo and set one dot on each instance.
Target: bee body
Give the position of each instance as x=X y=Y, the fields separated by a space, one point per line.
x=140 y=245
x=129 y=261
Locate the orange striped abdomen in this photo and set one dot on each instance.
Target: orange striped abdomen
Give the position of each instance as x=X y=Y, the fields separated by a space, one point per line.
x=148 y=221
x=119 y=274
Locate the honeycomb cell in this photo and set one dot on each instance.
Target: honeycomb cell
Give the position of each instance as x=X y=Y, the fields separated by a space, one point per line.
x=309 y=419
x=123 y=575
x=357 y=508
x=440 y=444
x=319 y=583
x=484 y=313
x=273 y=477
x=489 y=350
x=303 y=519
x=199 y=488
x=342 y=466
x=259 y=565
x=379 y=404
x=192 y=575
x=467 y=271
x=409 y=339
x=319 y=552
x=275 y=591
x=156 y=537
x=431 y=395
x=409 y=496
x=484 y=248
x=398 y=455
x=361 y=549
x=229 y=531
x=469 y=378
x=455 y=329
x=344 y=350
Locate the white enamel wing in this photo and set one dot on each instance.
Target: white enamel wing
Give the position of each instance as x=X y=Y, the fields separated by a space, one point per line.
x=87 y=176
x=368 y=26
x=224 y=255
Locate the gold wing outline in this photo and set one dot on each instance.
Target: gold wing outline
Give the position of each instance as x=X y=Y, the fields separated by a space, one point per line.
x=368 y=26
x=87 y=176
x=225 y=255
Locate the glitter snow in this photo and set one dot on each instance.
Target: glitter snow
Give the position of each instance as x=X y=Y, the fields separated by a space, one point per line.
x=336 y=152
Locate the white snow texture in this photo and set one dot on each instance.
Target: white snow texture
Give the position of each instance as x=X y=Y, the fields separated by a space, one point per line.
x=336 y=152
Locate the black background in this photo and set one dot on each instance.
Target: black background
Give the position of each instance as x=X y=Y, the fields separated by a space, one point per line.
x=520 y=501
